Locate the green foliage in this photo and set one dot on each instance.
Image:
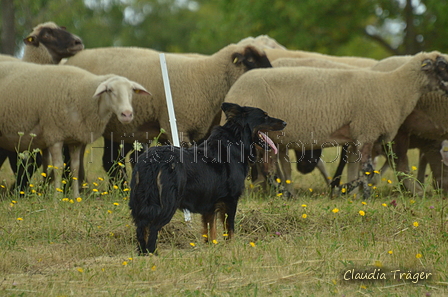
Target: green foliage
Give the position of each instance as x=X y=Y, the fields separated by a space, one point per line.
x=360 y=28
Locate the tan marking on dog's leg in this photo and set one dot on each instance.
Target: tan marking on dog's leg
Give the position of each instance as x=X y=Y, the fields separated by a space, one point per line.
x=209 y=226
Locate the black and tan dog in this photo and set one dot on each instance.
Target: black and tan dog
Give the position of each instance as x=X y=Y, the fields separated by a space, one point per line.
x=204 y=179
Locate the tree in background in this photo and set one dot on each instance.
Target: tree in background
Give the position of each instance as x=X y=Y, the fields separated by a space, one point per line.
x=372 y=28
x=8 y=36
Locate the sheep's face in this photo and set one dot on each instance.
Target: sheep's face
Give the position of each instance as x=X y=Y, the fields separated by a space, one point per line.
x=250 y=58
x=117 y=94
x=57 y=40
x=437 y=70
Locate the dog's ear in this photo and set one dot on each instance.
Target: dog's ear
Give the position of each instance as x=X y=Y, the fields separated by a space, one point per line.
x=231 y=109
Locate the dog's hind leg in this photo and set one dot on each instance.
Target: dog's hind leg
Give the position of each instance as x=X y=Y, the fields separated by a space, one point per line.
x=209 y=226
x=228 y=218
x=152 y=239
x=142 y=235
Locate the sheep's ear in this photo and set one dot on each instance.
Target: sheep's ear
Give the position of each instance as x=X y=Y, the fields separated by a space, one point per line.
x=427 y=64
x=237 y=58
x=31 y=40
x=101 y=89
x=231 y=109
x=139 y=89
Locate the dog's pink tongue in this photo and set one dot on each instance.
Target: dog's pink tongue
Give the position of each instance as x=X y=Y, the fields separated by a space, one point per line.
x=268 y=141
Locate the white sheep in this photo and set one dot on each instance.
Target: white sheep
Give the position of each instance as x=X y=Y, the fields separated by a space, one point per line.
x=48 y=43
x=8 y=58
x=198 y=85
x=424 y=128
x=74 y=107
x=275 y=53
x=326 y=107
x=263 y=41
x=306 y=160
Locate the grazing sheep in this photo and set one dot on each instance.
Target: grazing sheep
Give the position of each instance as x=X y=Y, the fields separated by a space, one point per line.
x=424 y=128
x=198 y=85
x=67 y=113
x=46 y=44
x=338 y=105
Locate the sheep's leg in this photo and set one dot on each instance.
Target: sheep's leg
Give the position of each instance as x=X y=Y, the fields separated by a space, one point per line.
x=401 y=150
x=353 y=159
x=422 y=163
x=285 y=165
x=438 y=169
x=24 y=170
x=46 y=158
x=58 y=164
x=75 y=151
x=323 y=171
x=364 y=179
x=82 y=172
x=367 y=168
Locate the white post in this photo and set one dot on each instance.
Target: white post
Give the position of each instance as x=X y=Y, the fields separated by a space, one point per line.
x=172 y=115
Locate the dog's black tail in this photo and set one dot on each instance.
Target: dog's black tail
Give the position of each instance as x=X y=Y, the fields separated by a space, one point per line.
x=144 y=200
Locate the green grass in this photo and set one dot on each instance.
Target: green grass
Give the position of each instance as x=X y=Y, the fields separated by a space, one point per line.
x=64 y=247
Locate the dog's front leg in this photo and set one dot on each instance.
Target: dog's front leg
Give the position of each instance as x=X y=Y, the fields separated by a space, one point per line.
x=209 y=226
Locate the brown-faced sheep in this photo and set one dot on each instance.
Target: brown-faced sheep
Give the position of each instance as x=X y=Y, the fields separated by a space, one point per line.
x=74 y=108
x=48 y=43
x=326 y=100
x=198 y=85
